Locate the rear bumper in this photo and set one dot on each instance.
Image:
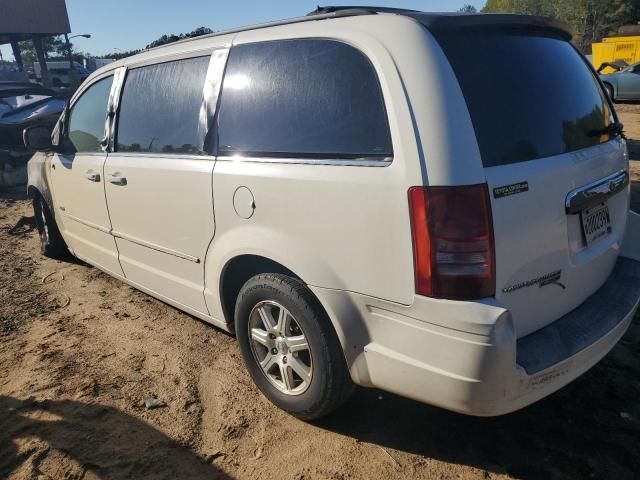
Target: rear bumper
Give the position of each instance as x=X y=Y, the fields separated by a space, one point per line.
x=605 y=311
x=476 y=365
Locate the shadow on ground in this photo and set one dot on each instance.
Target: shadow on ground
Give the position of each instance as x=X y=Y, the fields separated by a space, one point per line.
x=634 y=149
x=634 y=156
x=96 y=441
x=589 y=429
x=635 y=196
x=14 y=194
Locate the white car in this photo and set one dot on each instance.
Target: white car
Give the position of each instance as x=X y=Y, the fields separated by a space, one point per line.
x=61 y=74
x=363 y=199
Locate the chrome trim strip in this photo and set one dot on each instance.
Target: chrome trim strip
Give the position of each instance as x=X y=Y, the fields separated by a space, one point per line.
x=162 y=155
x=153 y=246
x=135 y=240
x=351 y=162
x=595 y=192
x=132 y=62
x=72 y=156
x=210 y=95
x=85 y=222
x=113 y=105
x=116 y=91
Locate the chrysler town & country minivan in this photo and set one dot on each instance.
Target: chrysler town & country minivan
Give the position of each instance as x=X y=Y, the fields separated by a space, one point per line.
x=362 y=199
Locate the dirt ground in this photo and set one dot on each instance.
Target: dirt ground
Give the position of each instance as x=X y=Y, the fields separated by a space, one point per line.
x=80 y=352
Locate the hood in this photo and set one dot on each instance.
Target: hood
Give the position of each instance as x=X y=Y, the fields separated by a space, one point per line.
x=40 y=107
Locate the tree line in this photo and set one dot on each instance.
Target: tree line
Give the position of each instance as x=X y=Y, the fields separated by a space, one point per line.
x=55 y=47
x=163 y=40
x=589 y=20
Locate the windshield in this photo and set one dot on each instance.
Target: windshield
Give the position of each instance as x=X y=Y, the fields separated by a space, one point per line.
x=529 y=95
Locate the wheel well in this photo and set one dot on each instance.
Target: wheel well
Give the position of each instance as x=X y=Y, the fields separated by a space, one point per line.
x=236 y=273
x=607 y=84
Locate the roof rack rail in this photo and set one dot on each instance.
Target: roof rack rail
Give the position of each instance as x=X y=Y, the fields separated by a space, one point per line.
x=339 y=12
x=369 y=9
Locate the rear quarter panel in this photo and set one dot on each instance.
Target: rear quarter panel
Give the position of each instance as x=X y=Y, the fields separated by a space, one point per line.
x=347 y=227
x=340 y=227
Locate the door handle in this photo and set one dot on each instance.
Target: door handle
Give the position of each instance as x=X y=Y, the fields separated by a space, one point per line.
x=92 y=176
x=595 y=193
x=117 y=179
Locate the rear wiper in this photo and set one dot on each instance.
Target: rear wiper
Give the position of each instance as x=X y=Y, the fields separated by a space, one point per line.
x=615 y=129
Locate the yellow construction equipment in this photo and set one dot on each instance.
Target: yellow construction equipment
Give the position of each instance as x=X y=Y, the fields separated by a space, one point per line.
x=611 y=49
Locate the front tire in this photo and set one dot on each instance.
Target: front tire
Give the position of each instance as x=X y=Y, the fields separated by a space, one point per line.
x=51 y=242
x=290 y=348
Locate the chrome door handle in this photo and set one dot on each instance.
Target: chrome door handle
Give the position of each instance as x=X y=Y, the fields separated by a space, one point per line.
x=116 y=179
x=92 y=176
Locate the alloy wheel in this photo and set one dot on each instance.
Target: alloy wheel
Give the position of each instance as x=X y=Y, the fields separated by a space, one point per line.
x=280 y=347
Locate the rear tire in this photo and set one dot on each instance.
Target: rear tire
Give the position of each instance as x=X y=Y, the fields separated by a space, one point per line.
x=51 y=242
x=290 y=347
x=609 y=90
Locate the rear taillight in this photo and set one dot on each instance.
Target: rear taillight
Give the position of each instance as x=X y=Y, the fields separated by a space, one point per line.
x=452 y=241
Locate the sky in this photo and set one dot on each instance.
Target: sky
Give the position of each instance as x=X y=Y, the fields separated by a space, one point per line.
x=131 y=24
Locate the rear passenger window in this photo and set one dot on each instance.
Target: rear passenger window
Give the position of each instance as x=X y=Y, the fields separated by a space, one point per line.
x=87 y=117
x=160 y=108
x=302 y=98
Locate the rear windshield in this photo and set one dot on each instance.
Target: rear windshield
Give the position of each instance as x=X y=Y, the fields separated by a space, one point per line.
x=529 y=96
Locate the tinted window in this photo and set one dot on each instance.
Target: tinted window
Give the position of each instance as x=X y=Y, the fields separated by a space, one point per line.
x=529 y=96
x=302 y=98
x=160 y=108
x=87 y=117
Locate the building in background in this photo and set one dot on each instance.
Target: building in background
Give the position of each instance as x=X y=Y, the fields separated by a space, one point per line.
x=32 y=20
x=93 y=63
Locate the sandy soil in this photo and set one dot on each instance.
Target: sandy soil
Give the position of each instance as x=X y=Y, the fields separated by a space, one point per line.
x=629 y=115
x=80 y=352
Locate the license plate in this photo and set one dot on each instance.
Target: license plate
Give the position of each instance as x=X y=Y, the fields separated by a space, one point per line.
x=596 y=223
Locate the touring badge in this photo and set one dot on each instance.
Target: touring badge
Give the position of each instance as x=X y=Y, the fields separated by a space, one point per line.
x=552 y=278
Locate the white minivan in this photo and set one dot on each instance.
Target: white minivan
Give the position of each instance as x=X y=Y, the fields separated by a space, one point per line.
x=436 y=205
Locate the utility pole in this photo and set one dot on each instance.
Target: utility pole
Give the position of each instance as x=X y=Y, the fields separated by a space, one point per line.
x=17 y=55
x=73 y=75
x=44 y=71
x=69 y=56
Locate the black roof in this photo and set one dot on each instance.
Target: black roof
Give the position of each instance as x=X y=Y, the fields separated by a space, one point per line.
x=446 y=21
x=367 y=9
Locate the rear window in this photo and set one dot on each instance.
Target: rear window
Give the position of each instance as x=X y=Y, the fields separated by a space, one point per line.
x=302 y=98
x=529 y=96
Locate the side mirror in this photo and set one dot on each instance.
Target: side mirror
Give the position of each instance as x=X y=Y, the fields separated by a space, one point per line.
x=37 y=138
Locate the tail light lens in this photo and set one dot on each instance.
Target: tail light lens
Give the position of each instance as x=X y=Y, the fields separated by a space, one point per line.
x=453 y=248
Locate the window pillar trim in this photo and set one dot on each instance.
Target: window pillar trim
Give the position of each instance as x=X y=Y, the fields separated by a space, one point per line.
x=113 y=106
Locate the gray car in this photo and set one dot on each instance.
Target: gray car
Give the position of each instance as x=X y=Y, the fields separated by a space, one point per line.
x=625 y=84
